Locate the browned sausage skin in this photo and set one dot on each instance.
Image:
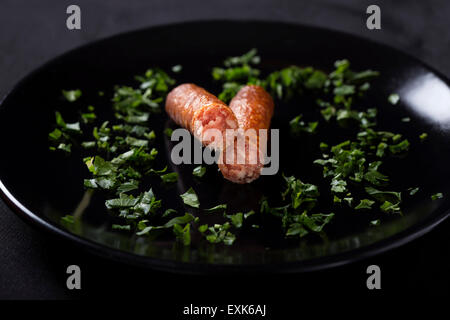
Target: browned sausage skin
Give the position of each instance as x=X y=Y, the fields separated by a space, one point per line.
x=197 y=110
x=253 y=108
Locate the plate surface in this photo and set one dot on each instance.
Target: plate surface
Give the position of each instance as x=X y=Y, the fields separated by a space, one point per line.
x=42 y=187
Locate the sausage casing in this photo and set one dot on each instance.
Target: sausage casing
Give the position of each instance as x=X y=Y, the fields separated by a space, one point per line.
x=253 y=108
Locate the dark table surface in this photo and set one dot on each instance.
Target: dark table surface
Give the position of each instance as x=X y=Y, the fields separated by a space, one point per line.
x=33 y=264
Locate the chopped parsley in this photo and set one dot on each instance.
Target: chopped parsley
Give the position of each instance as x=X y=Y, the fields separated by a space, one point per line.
x=168 y=132
x=190 y=198
x=365 y=204
x=71 y=95
x=218 y=233
x=68 y=219
x=177 y=68
x=199 y=171
x=169 y=177
x=393 y=98
x=237 y=72
x=125 y=227
x=423 y=136
x=436 y=196
x=120 y=154
x=218 y=208
x=183 y=234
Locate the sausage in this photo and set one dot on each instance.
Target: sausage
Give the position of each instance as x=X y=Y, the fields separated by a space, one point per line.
x=253 y=108
x=197 y=110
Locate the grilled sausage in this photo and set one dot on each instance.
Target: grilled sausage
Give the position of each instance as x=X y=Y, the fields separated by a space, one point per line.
x=253 y=108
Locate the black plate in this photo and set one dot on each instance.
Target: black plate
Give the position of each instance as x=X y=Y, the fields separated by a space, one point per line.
x=41 y=187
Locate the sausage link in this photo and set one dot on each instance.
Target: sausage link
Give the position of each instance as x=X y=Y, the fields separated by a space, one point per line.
x=253 y=108
x=197 y=110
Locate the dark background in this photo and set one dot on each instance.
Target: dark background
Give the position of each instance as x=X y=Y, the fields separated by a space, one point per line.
x=33 y=265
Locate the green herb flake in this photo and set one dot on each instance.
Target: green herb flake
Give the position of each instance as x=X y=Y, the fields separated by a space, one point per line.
x=169 y=212
x=179 y=220
x=88 y=144
x=423 y=136
x=150 y=136
x=304 y=223
x=121 y=227
x=298 y=125
x=218 y=208
x=390 y=207
x=203 y=228
x=157 y=171
x=436 y=196
x=382 y=196
x=237 y=219
x=124 y=201
x=190 y=198
x=73 y=126
x=88 y=117
x=183 y=234
x=250 y=57
x=219 y=233
x=413 y=191
x=177 y=68
x=65 y=147
x=248 y=214
x=169 y=177
x=128 y=186
x=229 y=239
x=338 y=185
x=393 y=98
x=399 y=147
x=68 y=219
x=365 y=204
x=168 y=132
x=100 y=167
x=344 y=90
x=71 y=95
x=199 y=171
x=59 y=119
